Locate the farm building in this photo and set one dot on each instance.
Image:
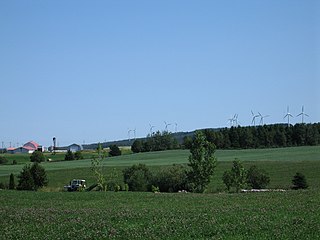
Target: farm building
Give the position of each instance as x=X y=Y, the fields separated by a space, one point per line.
x=75 y=147
x=28 y=147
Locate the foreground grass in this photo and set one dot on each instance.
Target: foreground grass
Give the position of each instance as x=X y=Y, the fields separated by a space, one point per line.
x=128 y=215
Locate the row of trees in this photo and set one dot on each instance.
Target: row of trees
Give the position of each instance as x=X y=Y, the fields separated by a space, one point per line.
x=278 y=135
x=158 y=141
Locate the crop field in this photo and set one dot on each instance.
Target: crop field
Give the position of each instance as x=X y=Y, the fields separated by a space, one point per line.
x=130 y=215
x=54 y=214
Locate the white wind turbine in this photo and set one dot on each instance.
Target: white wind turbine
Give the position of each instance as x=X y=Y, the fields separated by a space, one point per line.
x=288 y=115
x=151 y=127
x=129 y=131
x=254 y=118
x=166 y=125
x=302 y=114
x=262 y=117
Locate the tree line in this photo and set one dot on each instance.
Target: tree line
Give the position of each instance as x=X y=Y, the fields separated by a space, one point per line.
x=267 y=136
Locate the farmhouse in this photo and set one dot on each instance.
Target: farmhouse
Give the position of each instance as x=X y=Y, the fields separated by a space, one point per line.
x=28 y=147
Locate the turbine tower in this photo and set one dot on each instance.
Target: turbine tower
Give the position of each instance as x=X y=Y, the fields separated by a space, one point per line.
x=302 y=114
x=129 y=131
x=262 y=117
x=288 y=115
x=151 y=127
x=254 y=118
x=176 y=127
x=134 y=133
x=166 y=124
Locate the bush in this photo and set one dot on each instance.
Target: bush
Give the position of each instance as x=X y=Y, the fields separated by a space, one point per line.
x=137 y=146
x=78 y=155
x=257 y=178
x=14 y=162
x=38 y=157
x=137 y=177
x=3 y=160
x=114 y=151
x=171 y=179
x=69 y=156
x=299 y=181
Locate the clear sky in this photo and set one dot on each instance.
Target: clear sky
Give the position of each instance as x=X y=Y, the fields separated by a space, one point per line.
x=91 y=70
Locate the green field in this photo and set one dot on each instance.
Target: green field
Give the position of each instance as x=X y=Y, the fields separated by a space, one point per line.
x=128 y=215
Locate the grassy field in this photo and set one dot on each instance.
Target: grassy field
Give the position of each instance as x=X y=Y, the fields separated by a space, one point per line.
x=128 y=215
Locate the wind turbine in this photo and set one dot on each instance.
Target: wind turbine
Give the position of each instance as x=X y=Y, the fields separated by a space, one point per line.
x=262 y=117
x=233 y=121
x=134 y=132
x=129 y=131
x=167 y=124
x=254 y=118
x=288 y=115
x=302 y=114
x=176 y=127
x=151 y=127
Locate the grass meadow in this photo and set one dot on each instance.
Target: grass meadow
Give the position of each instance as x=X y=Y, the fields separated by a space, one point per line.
x=54 y=214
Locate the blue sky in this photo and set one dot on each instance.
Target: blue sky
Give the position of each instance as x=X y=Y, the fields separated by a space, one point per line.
x=91 y=70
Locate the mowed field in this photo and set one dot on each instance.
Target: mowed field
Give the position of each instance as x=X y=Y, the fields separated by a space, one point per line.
x=53 y=214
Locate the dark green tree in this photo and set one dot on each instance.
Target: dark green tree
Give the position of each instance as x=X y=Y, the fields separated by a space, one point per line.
x=201 y=161
x=114 y=151
x=3 y=160
x=69 y=156
x=257 y=178
x=38 y=157
x=299 y=181
x=137 y=146
x=39 y=176
x=12 y=184
x=137 y=177
x=25 y=181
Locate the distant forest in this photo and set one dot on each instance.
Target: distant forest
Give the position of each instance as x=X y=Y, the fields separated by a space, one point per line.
x=267 y=136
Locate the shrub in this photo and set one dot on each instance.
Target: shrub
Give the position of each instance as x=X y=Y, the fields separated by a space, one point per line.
x=69 y=156
x=236 y=177
x=37 y=156
x=78 y=155
x=114 y=151
x=257 y=178
x=299 y=181
x=3 y=160
x=171 y=179
x=137 y=177
x=14 y=162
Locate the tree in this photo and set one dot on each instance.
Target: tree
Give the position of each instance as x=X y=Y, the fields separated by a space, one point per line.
x=69 y=156
x=137 y=146
x=12 y=185
x=236 y=177
x=257 y=178
x=39 y=176
x=201 y=161
x=227 y=179
x=137 y=177
x=299 y=181
x=96 y=167
x=3 y=160
x=114 y=151
x=25 y=179
x=37 y=156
